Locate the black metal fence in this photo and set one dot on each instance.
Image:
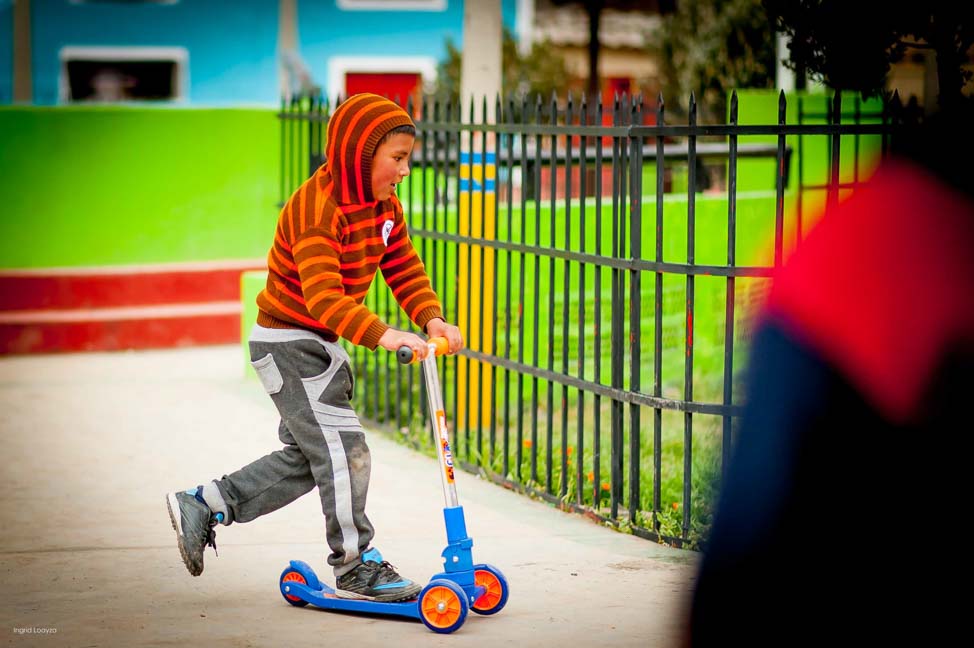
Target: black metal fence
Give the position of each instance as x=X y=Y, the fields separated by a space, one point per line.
x=604 y=298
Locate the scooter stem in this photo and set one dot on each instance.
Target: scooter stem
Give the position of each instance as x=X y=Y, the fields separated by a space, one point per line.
x=435 y=400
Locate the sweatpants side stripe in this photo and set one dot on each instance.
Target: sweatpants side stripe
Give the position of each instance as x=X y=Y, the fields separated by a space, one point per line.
x=336 y=427
x=341 y=478
x=338 y=413
x=343 y=493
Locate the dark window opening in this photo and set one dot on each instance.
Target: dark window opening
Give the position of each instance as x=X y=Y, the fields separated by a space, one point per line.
x=91 y=80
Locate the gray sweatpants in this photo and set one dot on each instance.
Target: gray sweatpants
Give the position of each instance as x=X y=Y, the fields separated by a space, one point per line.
x=310 y=382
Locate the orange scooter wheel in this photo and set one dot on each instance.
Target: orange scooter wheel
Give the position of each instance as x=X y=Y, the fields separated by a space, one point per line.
x=292 y=576
x=494 y=597
x=443 y=606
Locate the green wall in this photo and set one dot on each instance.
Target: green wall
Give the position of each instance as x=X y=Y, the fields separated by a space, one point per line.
x=811 y=154
x=84 y=186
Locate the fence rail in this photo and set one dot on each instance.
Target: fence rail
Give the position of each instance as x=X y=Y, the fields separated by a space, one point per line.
x=604 y=300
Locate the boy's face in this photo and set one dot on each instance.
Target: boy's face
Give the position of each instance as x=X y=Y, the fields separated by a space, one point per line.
x=391 y=164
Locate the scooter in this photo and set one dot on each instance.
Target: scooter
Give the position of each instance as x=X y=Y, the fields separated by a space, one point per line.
x=444 y=602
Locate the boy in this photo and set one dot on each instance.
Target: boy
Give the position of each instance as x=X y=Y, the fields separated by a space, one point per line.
x=340 y=227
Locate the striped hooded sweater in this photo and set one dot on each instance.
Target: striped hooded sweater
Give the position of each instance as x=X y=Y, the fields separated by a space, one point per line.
x=333 y=236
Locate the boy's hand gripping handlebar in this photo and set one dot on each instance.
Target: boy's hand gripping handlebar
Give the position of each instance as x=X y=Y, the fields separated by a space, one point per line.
x=440 y=344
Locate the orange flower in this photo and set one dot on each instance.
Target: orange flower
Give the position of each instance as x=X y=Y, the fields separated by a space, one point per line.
x=527 y=443
x=570 y=450
x=675 y=506
x=591 y=476
x=605 y=487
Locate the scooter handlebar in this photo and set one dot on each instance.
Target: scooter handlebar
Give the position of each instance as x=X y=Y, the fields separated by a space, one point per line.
x=405 y=354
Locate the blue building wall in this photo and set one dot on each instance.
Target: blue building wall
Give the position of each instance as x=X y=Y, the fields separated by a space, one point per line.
x=6 y=51
x=231 y=44
x=326 y=31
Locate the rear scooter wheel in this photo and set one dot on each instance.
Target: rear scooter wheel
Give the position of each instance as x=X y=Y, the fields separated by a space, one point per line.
x=291 y=575
x=442 y=606
x=494 y=597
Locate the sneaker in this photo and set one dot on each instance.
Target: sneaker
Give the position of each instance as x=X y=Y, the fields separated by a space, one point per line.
x=193 y=522
x=375 y=580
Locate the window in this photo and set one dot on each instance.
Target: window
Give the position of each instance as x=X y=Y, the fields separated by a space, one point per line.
x=113 y=74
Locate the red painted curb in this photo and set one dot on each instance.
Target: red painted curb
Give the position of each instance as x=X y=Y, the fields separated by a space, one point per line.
x=116 y=335
x=112 y=288
x=114 y=308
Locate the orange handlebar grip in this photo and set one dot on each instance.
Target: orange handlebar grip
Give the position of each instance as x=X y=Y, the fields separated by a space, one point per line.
x=406 y=355
x=442 y=346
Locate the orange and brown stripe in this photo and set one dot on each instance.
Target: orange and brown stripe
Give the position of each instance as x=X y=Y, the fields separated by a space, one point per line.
x=328 y=243
x=354 y=130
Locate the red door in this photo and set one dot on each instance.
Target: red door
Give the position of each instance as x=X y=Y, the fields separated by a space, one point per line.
x=394 y=85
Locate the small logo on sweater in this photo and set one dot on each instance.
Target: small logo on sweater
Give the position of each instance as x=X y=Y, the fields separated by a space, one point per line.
x=386 y=231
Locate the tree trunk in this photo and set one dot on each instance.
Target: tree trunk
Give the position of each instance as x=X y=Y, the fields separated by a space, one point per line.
x=23 y=84
x=594 y=9
x=951 y=53
x=949 y=80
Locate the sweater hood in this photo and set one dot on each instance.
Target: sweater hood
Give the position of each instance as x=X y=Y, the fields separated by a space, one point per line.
x=354 y=131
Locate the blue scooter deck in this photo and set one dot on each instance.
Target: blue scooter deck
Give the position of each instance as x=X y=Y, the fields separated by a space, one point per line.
x=326 y=598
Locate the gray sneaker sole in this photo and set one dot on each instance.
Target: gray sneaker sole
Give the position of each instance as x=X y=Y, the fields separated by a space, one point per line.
x=406 y=594
x=176 y=518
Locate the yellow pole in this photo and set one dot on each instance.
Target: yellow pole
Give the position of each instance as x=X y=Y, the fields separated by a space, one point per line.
x=480 y=77
x=476 y=201
x=463 y=294
x=489 y=171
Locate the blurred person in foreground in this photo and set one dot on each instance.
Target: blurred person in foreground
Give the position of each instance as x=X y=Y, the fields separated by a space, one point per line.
x=841 y=516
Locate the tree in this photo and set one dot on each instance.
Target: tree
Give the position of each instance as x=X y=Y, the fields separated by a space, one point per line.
x=710 y=47
x=851 y=46
x=948 y=29
x=538 y=72
x=593 y=9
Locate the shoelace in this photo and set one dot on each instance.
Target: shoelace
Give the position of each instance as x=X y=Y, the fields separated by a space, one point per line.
x=211 y=537
x=381 y=569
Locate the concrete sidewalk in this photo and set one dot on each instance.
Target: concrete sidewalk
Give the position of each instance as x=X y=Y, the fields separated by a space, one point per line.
x=90 y=444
